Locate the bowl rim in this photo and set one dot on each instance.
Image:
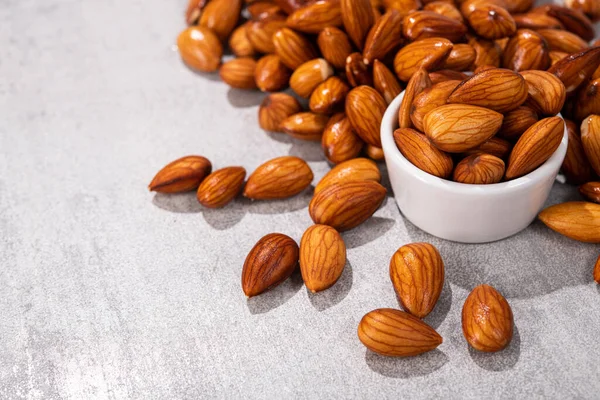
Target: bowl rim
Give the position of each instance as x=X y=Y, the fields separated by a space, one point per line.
x=389 y=124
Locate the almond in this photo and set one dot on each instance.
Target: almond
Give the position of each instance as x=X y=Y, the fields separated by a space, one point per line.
x=358 y=18
x=374 y=153
x=591 y=191
x=279 y=178
x=182 y=175
x=314 y=17
x=516 y=122
x=487 y=319
x=422 y=153
x=385 y=82
x=444 y=75
x=260 y=34
x=270 y=262
x=417 y=273
x=427 y=53
x=355 y=170
x=335 y=46
x=384 y=36
x=221 y=187
x=417 y=84
x=405 y=7
x=573 y=20
x=487 y=52
x=395 y=333
x=346 y=205
x=239 y=43
x=194 y=10
x=293 y=48
x=588 y=100
x=576 y=68
x=329 y=96
x=546 y=93
x=261 y=10
x=289 y=6
x=526 y=50
x=597 y=271
x=461 y=58
x=559 y=40
x=271 y=75
x=495 y=146
x=576 y=166
x=365 y=108
x=456 y=128
x=590 y=138
x=469 y=6
x=309 y=75
x=221 y=16
x=305 y=125
x=274 y=109
x=357 y=72
x=518 y=6
x=492 y=22
x=429 y=99
x=200 y=48
x=537 y=21
x=427 y=24
x=590 y=7
x=239 y=73
x=479 y=169
x=446 y=9
x=322 y=257
x=577 y=220
x=535 y=146
x=340 y=142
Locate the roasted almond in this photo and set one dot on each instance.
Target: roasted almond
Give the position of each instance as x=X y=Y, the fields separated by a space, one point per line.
x=487 y=320
x=239 y=43
x=395 y=333
x=260 y=34
x=416 y=85
x=422 y=153
x=576 y=166
x=365 y=108
x=518 y=6
x=526 y=50
x=271 y=75
x=200 y=48
x=182 y=175
x=495 y=146
x=239 y=73
x=591 y=191
x=492 y=22
x=546 y=93
x=429 y=99
x=374 y=153
x=535 y=146
x=289 y=6
x=487 y=53
x=346 y=205
x=309 y=75
x=588 y=100
x=469 y=6
x=590 y=138
x=577 y=220
x=427 y=53
x=577 y=68
x=354 y=170
x=385 y=82
x=358 y=18
x=461 y=58
x=193 y=11
x=322 y=257
x=305 y=125
x=357 y=72
x=221 y=16
x=444 y=75
x=516 y=122
x=278 y=178
x=405 y=7
x=573 y=20
x=537 y=21
x=221 y=187
x=293 y=48
x=340 y=142
x=263 y=9
x=329 y=96
x=428 y=24
x=274 y=109
x=383 y=37
x=270 y=262
x=456 y=128
x=315 y=16
x=479 y=169
x=417 y=273
x=445 y=9
x=335 y=46
x=560 y=40
x=589 y=7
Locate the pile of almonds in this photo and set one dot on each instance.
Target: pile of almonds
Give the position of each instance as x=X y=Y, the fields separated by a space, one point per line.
x=349 y=59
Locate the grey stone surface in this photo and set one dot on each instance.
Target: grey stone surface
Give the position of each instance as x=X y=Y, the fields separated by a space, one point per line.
x=110 y=292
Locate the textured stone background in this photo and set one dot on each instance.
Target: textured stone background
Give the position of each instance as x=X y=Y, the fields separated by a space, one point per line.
x=108 y=291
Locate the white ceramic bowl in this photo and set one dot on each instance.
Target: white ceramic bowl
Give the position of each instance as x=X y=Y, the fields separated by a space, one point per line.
x=461 y=212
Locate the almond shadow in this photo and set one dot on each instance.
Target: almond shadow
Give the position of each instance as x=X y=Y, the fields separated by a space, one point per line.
x=406 y=367
x=277 y=296
x=502 y=360
x=335 y=294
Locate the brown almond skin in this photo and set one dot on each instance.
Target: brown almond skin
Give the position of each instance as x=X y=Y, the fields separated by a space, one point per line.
x=221 y=16
x=590 y=138
x=537 y=21
x=260 y=10
x=275 y=108
x=561 y=40
x=461 y=58
x=385 y=82
x=279 y=178
x=429 y=99
x=576 y=69
x=495 y=146
x=487 y=52
x=289 y=6
x=444 y=75
x=498 y=89
x=546 y=93
x=597 y=271
x=374 y=153
x=316 y=16
x=329 y=96
x=395 y=333
x=335 y=46
x=260 y=34
x=357 y=72
x=365 y=108
x=588 y=100
x=384 y=36
x=405 y=7
x=535 y=146
x=354 y=170
x=271 y=75
x=590 y=7
x=239 y=73
x=428 y=24
x=446 y=9
x=322 y=257
x=573 y=20
x=346 y=205
x=422 y=153
x=492 y=22
x=487 y=320
x=200 y=48
x=182 y=175
x=221 y=187
x=427 y=53
x=591 y=191
x=479 y=169
x=270 y=262
x=417 y=273
x=525 y=51
x=239 y=43
x=576 y=166
x=193 y=11
x=577 y=220
x=516 y=122
x=456 y=128
x=293 y=48
x=416 y=85
x=358 y=18
x=305 y=125
x=309 y=75
x=340 y=142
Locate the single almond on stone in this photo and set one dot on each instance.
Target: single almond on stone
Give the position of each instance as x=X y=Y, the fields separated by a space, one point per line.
x=182 y=175
x=358 y=18
x=221 y=187
x=239 y=43
x=316 y=16
x=590 y=138
x=270 y=262
x=428 y=24
x=385 y=82
x=422 y=153
x=346 y=205
x=561 y=40
x=479 y=169
x=417 y=273
x=535 y=146
x=576 y=166
x=416 y=85
x=495 y=146
x=221 y=17
x=200 y=48
x=429 y=99
x=309 y=75
x=357 y=72
x=270 y=74
x=365 y=108
x=384 y=36
x=354 y=170
x=305 y=125
x=591 y=191
x=275 y=108
x=546 y=93
x=293 y=48
x=576 y=69
x=487 y=320
x=461 y=58
x=577 y=220
x=487 y=53
x=340 y=142
x=429 y=54
x=516 y=122
x=526 y=50
x=279 y=178
x=322 y=257
x=335 y=46
x=239 y=73
x=395 y=333
x=456 y=128
x=492 y=22
x=329 y=96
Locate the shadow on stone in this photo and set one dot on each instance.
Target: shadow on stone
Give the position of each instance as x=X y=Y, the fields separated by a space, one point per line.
x=290 y=204
x=307 y=150
x=335 y=294
x=178 y=202
x=244 y=98
x=502 y=360
x=406 y=367
x=370 y=230
x=277 y=296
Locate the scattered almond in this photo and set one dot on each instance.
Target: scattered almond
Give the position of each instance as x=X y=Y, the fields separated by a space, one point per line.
x=309 y=75
x=577 y=220
x=340 y=142
x=279 y=178
x=182 y=175
x=365 y=108
x=292 y=48
x=329 y=96
x=221 y=187
x=221 y=16
x=274 y=109
x=239 y=73
x=305 y=125
x=354 y=170
x=591 y=191
x=322 y=257
x=200 y=48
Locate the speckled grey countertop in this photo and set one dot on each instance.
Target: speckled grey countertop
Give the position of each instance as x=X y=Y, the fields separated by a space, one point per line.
x=108 y=291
